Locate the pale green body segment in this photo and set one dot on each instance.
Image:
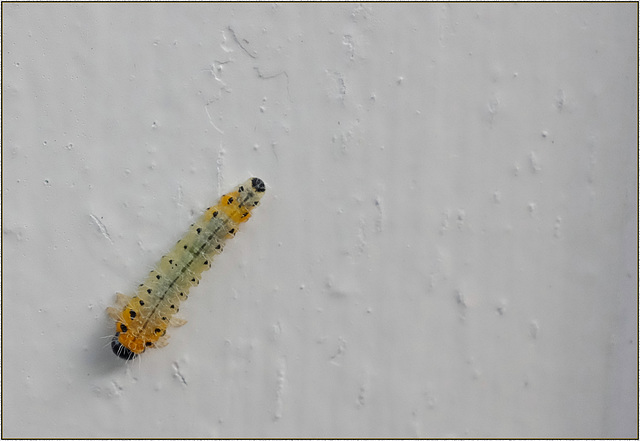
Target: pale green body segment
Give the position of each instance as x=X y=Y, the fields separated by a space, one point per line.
x=168 y=284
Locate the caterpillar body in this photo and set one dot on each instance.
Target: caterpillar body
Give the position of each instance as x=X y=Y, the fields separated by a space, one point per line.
x=142 y=319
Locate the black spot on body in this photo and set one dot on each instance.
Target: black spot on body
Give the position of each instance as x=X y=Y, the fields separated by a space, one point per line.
x=123 y=328
x=148 y=343
x=132 y=313
x=141 y=302
x=230 y=200
x=149 y=290
x=158 y=277
x=198 y=230
x=218 y=247
x=215 y=214
x=185 y=247
x=231 y=231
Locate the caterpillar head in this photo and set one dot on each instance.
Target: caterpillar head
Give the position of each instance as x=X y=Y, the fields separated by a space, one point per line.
x=121 y=350
x=250 y=192
x=239 y=203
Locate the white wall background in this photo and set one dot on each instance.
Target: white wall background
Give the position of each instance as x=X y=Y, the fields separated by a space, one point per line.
x=448 y=245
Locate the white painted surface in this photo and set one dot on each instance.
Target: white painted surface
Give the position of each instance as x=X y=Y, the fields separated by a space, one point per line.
x=447 y=246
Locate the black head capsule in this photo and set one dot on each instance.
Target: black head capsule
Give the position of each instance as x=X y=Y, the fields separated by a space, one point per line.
x=120 y=350
x=257 y=184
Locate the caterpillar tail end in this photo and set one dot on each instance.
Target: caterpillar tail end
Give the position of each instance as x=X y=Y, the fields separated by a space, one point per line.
x=258 y=185
x=120 y=350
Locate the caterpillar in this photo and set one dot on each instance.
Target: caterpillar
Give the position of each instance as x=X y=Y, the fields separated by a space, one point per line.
x=142 y=319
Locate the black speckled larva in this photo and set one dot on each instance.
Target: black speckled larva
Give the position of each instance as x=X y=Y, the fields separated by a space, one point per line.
x=142 y=319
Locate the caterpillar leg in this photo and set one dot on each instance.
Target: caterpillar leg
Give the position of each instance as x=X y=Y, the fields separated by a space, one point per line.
x=162 y=342
x=176 y=322
x=115 y=311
